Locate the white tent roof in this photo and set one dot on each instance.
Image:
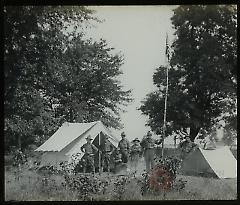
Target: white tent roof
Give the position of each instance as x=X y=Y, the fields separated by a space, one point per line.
x=221 y=161
x=70 y=132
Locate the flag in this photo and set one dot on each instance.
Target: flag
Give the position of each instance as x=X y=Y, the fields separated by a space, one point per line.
x=167 y=48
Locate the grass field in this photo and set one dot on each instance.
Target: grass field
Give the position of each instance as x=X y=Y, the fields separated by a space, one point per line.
x=30 y=186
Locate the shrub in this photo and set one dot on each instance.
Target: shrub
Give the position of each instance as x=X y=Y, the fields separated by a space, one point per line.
x=86 y=185
x=163 y=176
x=119 y=186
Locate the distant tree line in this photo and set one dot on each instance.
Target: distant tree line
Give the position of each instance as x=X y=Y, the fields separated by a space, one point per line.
x=53 y=73
x=202 y=73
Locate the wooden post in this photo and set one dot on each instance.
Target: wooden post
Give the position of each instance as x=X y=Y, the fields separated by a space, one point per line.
x=165 y=116
x=99 y=154
x=19 y=142
x=166 y=94
x=175 y=142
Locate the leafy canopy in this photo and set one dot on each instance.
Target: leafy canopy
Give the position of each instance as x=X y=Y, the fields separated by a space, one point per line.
x=202 y=73
x=53 y=75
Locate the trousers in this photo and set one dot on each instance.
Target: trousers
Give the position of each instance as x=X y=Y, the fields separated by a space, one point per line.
x=149 y=155
x=88 y=161
x=106 y=160
x=135 y=157
x=125 y=156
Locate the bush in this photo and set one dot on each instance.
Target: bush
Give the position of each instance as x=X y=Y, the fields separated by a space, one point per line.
x=86 y=185
x=163 y=176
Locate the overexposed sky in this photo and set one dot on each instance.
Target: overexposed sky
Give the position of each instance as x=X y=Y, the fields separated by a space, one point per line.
x=139 y=34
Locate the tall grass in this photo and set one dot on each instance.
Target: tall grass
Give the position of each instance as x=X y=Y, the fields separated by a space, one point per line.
x=30 y=186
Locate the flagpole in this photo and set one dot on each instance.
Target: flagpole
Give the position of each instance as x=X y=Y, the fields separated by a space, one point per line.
x=166 y=94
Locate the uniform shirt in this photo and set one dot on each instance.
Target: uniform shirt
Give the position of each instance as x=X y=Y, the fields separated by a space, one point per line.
x=106 y=146
x=136 y=148
x=124 y=144
x=88 y=148
x=187 y=146
x=149 y=143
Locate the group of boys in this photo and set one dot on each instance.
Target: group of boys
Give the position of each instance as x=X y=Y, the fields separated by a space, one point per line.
x=126 y=152
x=123 y=154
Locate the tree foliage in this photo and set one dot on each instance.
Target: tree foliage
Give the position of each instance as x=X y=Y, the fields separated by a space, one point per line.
x=53 y=75
x=84 y=85
x=202 y=73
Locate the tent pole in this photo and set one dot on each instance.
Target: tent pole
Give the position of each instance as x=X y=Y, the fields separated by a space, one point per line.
x=175 y=142
x=99 y=155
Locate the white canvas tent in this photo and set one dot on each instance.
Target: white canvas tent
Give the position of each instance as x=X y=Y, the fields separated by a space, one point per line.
x=219 y=163
x=68 y=139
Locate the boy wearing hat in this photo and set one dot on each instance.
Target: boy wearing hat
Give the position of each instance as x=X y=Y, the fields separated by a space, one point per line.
x=88 y=149
x=124 y=146
x=117 y=158
x=148 y=144
x=186 y=147
x=135 y=152
x=106 y=149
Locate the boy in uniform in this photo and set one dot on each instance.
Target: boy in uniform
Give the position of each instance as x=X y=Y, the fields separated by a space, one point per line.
x=124 y=146
x=135 y=153
x=148 y=144
x=106 y=149
x=88 y=149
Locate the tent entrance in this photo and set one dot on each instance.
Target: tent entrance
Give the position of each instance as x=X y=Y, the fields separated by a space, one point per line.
x=97 y=141
x=97 y=158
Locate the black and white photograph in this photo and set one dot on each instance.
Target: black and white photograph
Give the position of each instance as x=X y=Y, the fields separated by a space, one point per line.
x=120 y=103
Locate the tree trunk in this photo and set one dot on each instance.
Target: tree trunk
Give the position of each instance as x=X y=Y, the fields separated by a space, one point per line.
x=19 y=142
x=194 y=132
x=71 y=115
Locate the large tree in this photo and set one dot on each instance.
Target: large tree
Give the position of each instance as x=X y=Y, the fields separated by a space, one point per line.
x=32 y=34
x=83 y=83
x=51 y=73
x=202 y=71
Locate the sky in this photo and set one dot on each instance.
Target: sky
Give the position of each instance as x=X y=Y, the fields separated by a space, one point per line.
x=139 y=34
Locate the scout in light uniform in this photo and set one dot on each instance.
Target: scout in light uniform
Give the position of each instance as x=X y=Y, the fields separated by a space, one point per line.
x=135 y=153
x=148 y=144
